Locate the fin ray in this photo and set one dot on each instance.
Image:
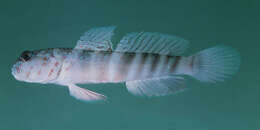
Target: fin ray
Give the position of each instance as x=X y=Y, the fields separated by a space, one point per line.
x=215 y=64
x=84 y=94
x=156 y=86
x=97 y=39
x=147 y=42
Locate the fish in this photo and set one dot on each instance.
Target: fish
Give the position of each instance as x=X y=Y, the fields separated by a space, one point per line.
x=150 y=64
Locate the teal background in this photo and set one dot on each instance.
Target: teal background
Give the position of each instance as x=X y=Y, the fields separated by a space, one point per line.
x=32 y=24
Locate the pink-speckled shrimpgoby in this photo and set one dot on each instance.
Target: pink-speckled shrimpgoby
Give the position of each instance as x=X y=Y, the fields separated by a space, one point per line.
x=150 y=64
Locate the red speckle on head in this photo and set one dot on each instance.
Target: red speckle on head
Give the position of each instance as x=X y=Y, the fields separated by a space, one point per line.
x=56 y=64
x=45 y=58
x=18 y=69
x=39 y=72
x=50 y=73
x=28 y=74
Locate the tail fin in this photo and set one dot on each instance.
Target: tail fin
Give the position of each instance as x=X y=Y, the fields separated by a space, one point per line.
x=215 y=64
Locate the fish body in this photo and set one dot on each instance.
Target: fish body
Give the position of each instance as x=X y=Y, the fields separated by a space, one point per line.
x=111 y=67
x=151 y=64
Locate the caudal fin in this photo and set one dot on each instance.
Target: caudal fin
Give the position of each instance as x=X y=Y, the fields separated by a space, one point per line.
x=215 y=64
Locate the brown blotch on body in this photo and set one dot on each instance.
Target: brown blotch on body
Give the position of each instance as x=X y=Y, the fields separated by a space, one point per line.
x=140 y=68
x=125 y=62
x=192 y=60
x=165 y=65
x=45 y=58
x=177 y=59
x=155 y=62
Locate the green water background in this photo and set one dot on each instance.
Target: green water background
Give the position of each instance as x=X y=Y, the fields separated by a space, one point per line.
x=35 y=24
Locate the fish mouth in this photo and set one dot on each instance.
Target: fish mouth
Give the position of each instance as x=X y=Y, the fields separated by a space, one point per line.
x=14 y=72
x=16 y=68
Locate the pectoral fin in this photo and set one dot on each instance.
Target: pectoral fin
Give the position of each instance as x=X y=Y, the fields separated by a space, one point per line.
x=85 y=94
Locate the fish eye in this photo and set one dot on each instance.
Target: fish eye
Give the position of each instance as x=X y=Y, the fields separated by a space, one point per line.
x=25 y=56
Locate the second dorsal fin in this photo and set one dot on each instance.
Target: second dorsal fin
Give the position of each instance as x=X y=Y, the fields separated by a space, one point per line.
x=147 y=42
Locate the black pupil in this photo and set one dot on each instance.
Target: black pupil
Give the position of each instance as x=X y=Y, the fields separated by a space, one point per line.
x=26 y=55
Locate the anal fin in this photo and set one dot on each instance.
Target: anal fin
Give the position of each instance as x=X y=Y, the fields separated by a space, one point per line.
x=85 y=94
x=156 y=86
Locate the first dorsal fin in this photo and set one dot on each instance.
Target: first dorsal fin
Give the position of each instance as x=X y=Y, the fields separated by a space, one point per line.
x=147 y=42
x=97 y=39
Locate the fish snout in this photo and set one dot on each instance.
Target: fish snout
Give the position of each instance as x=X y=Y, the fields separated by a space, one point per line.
x=15 y=70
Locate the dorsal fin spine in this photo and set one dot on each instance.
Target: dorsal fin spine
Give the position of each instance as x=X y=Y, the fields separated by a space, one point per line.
x=136 y=39
x=163 y=47
x=148 y=46
x=155 y=46
x=144 y=40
